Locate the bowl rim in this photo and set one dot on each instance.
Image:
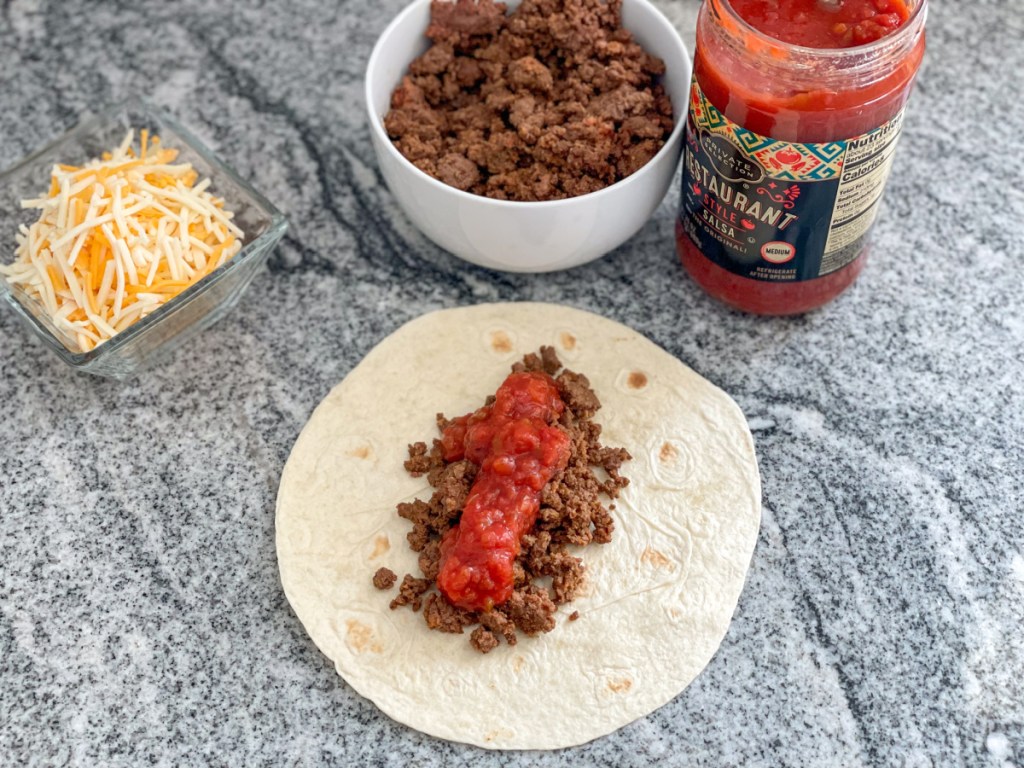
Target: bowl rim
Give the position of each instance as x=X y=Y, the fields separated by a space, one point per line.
x=377 y=121
x=276 y=227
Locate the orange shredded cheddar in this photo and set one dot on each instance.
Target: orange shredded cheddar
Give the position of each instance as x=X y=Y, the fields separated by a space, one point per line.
x=163 y=234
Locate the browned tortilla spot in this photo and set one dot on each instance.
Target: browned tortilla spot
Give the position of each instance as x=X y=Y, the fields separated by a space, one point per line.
x=500 y=342
x=498 y=733
x=620 y=686
x=517 y=663
x=568 y=341
x=380 y=546
x=657 y=559
x=637 y=380
x=668 y=452
x=362 y=452
x=360 y=637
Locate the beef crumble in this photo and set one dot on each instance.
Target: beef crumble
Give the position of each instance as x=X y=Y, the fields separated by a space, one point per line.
x=410 y=591
x=551 y=101
x=572 y=512
x=384 y=578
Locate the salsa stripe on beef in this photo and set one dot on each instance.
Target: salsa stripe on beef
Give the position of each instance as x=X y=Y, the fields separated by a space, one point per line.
x=572 y=512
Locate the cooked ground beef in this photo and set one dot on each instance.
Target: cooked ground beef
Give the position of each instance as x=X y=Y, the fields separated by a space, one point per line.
x=553 y=100
x=419 y=462
x=531 y=610
x=442 y=615
x=577 y=394
x=572 y=512
x=410 y=591
x=384 y=578
x=430 y=559
x=500 y=624
x=483 y=640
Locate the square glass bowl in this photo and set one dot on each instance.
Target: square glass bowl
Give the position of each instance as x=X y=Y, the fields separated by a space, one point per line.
x=158 y=334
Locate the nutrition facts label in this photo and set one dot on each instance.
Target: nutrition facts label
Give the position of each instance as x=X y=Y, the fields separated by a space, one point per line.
x=866 y=168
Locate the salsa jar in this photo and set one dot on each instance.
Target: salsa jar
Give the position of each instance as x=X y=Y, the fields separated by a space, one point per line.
x=795 y=109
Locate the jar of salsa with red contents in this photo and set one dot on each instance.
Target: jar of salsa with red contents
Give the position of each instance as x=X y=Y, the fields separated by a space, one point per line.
x=795 y=109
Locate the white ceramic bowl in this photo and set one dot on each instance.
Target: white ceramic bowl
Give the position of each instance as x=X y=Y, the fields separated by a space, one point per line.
x=517 y=236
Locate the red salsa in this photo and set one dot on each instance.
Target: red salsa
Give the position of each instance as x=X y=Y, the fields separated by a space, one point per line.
x=518 y=449
x=778 y=68
x=820 y=24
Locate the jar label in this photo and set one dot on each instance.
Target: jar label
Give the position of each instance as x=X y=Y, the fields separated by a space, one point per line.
x=777 y=210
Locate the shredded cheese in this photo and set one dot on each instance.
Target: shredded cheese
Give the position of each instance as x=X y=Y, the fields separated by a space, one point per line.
x=119 y=237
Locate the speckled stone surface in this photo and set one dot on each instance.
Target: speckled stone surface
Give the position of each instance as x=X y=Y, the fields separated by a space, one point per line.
x=141 y=616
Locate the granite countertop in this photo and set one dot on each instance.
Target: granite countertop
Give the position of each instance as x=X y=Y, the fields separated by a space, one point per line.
x=142 y=619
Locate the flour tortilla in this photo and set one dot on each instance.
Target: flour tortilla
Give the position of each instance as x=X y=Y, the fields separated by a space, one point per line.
x=658 y=599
